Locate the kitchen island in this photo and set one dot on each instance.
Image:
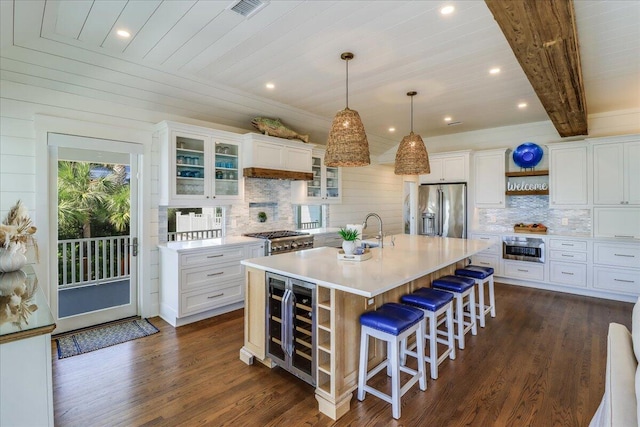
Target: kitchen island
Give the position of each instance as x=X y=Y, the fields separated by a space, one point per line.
x=345 y=290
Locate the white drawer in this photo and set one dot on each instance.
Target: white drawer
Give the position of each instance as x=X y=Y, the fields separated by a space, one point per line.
x=568 y=256
x=209 y=298
x=568 y=274
x=568 y=245
x=524 y=270
x=618 y=254
x=213 y=256
x=486 y=261
x=198 y=277
x=495 y=248
x=616 y=279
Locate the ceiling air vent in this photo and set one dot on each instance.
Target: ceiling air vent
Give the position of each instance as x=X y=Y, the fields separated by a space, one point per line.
x=247 y=8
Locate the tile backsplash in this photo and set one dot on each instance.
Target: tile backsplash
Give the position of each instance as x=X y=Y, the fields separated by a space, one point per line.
x=535 y=209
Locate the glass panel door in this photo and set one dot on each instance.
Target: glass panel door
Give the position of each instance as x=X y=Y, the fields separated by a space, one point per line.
x=190 y=166
x=332 y=183
x=227 y=175
x=314 y=189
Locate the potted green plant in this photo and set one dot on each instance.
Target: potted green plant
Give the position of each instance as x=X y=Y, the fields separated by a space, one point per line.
x=262 y=217
x=349 y=237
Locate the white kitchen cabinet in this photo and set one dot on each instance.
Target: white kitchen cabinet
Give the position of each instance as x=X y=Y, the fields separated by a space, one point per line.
x=622 y=222
x=489 y=178
x=268 y=152
x=325 y=187
x=199 y=281
x=568 y=262
x=491 y=256
x=447 y=167
x=616 y=267
x=616 y=173
x=198 y=166
x=568 y=175
x=524 y=270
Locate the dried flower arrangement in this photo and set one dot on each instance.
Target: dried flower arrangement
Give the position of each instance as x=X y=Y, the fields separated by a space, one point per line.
x=17 y=230
x=16 y=294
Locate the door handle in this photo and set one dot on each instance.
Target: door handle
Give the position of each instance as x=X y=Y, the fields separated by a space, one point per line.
x=134 y=246
x=284 y=325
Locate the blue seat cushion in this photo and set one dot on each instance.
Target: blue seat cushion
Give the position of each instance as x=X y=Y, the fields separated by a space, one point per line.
x=392 y=318
x=427 y=299
x=475 y=271
x=453 y=283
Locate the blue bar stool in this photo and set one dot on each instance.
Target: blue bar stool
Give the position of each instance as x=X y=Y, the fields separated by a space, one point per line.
x=438 y=309
x=393 y=323
x=481 y=275
x=461 y=288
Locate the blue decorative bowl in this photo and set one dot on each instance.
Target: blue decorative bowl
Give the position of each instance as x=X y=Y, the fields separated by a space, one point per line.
x=527 y=155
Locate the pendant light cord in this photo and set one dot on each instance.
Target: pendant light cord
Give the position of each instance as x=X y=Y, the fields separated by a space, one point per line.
x=347 y=82
x=411 y=113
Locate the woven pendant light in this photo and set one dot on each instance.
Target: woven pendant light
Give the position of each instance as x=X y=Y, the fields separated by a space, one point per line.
x=347 y=144
x=412 y=157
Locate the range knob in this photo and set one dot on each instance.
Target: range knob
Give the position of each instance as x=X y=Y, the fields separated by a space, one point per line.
x=294 y=245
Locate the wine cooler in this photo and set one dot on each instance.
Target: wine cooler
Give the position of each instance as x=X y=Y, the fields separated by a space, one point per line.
x=291 y=325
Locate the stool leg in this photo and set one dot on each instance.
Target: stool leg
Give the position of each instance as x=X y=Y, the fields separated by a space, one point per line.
x=472 y=308
x=389 y=367
x=433 y=344
x=362 y=371
x=421 y=362
x=480 y=284
x=460 y=320
x=492 y=297
x=450 y=338
x=393 y=360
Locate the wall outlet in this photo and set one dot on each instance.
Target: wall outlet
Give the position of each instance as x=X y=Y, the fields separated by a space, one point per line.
x=370 y=301
x=565 y=221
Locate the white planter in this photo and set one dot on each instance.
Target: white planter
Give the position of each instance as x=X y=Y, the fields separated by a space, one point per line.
x=348 y=246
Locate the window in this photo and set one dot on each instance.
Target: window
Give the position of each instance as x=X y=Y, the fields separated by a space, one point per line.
x=310 y=216
x=195 y=223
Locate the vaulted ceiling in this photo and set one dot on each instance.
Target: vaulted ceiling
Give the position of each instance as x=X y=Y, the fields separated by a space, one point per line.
x=200 y=59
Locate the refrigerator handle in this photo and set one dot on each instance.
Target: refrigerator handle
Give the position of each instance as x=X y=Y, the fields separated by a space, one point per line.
x=292 y=323
x=440 y=212
x=284 y=324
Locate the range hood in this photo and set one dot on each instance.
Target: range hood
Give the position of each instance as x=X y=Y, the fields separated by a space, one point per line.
x=277 y=174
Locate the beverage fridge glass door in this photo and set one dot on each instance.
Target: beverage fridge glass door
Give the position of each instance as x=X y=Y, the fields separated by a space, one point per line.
x=277 y=286
x=302 y=325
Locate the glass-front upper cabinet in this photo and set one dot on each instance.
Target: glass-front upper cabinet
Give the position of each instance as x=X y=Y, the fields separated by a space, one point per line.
x=325 y=187
x=198 y=166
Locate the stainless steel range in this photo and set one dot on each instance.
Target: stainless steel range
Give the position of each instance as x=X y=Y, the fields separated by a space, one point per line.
x=283 y=241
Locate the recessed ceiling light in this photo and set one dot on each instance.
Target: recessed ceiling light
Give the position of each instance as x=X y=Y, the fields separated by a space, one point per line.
x=123 y=33
x=270 y=86
x=446 y=10
x=392 y=129
x=522 y=105
x=495 y=70
x=447 y=119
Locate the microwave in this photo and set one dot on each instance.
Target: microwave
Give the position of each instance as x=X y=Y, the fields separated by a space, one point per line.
x=518 y=248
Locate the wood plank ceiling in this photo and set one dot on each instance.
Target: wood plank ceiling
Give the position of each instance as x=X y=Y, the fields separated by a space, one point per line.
x=543 y=36
x=197 y=59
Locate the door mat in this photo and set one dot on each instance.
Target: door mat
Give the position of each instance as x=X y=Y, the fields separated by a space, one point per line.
x=104 y=336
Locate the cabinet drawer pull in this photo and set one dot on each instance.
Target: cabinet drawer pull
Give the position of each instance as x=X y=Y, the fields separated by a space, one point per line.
x=622 y=235
x=215 y=296
x=625 y=281
x=484 y=263
x=524 y=271
x=568 y=256
x=567 y=244
x=215 y=274
x=215 y=256
x=625 y=255
x=485 y=238
x=567 y=273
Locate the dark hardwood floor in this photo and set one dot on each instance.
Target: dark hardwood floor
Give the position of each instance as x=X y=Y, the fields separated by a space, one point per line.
x=540 y=362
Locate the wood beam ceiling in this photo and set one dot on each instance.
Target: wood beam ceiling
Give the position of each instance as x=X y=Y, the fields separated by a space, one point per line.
x=542 y=35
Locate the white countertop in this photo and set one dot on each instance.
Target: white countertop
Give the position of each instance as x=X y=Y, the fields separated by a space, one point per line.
x=209 y=243
x=411 y=257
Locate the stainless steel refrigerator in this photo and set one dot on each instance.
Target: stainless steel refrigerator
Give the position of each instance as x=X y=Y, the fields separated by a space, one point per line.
x=443 y=210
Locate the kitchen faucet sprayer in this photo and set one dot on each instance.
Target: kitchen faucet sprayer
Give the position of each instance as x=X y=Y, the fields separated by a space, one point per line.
x=380 y=235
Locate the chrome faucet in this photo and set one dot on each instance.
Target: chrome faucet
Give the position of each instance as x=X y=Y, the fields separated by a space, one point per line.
x=380 y=236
